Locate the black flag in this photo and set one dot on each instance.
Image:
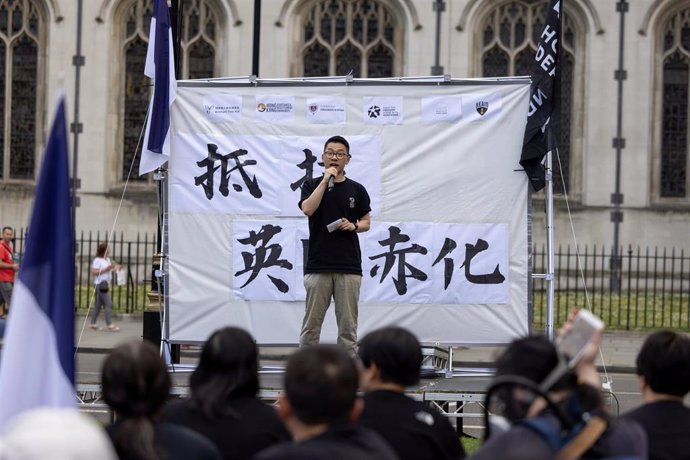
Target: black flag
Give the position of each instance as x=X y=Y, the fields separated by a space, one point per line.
x=544 y=105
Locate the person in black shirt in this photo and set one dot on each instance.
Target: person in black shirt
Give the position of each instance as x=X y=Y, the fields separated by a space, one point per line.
x=319 y=408
x=223 y=404
x=334 y=262
x=663 y=366
x=391 y=359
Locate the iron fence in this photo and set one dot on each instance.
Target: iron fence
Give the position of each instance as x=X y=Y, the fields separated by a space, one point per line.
x=650 y=287
x=135 y=256
x=652 y=291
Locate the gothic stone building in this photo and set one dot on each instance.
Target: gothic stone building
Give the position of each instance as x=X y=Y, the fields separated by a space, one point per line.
x=374 y=38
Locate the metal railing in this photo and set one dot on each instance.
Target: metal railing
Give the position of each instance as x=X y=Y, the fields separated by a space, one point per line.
x=135 y=256
x=653 y=292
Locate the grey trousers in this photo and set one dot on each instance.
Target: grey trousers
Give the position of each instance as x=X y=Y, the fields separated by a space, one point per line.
x=104 y=299
x=344 y=289
x=6 y=294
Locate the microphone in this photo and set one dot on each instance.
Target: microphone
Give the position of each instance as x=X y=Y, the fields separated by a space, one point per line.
x=331 y=181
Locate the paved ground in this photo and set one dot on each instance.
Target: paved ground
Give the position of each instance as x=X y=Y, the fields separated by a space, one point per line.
x=618 y=348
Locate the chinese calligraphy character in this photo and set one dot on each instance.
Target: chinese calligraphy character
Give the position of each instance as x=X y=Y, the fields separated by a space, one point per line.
x=206 y=179
x=308 y=166
x=449 y=246
x=265 y=256
x=488 y=278
x=403 y=267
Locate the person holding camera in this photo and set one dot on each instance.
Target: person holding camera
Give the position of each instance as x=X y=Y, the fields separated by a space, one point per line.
x=542 y=404
x=102 y=268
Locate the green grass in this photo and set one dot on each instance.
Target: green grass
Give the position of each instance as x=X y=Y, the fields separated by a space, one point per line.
x=621 y=312
x=84 y=297
x=470 y=444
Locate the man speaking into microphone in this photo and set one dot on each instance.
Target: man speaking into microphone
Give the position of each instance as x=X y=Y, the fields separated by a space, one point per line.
x=338 y=208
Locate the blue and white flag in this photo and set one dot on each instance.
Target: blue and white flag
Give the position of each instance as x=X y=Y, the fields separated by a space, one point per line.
x=160 y=67
x=37 y=360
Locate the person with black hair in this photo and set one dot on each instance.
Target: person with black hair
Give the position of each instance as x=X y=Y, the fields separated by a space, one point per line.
x=136 y=384
x=663 y=367
x=555 y=412
x=223 y=404
x=391 y=359
x=338 y=208
x=319 y=407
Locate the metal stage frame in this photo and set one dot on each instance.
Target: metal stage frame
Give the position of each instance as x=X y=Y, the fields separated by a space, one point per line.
x=457 y=397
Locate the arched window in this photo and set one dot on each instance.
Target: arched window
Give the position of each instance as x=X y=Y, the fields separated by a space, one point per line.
x=509 y=35
x=339 y=36
x=22 y=45
x=199 y=44
x=672 y=106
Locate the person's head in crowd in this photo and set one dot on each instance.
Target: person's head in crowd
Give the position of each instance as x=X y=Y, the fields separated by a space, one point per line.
x=663 y=365
x=391 y=358
x=55 y=433
x=321 y=384
x=135 y=384
x=228 y=368
x=534 y=358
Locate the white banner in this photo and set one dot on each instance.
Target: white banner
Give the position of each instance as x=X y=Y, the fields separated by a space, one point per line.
x=447 y=254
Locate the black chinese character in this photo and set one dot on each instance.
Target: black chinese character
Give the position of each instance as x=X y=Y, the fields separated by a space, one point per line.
x=206 y=179
x=488 y=278
x=390 y=257
x=448 y=263
x=264 y=256
x=308 y=166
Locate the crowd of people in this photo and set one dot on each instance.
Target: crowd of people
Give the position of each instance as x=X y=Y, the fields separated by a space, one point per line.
x=335 y=406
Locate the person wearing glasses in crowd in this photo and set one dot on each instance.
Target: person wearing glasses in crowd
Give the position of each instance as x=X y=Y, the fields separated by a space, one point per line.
x=338 y=208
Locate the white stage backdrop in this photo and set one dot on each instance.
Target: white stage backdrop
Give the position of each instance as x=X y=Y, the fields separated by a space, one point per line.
x=447 y=254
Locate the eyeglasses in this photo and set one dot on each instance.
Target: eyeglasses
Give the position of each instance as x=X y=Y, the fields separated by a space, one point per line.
x=339 y=155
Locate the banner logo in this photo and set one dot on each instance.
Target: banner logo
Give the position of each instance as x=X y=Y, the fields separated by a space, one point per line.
x=482 y=107
x=382 y=110
x=261 y=107
x=441 y=109
x=374 y=111
x=326 y=110
x=220 y=108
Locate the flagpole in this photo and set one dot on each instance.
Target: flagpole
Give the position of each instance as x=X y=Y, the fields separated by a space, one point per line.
x=76 y=126
x=550 y=260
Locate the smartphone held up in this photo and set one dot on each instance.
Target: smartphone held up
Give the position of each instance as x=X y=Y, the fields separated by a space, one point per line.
x=573 y=342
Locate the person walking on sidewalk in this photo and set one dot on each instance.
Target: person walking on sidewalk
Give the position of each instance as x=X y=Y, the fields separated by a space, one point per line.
x=102 y=268
x=8 y=268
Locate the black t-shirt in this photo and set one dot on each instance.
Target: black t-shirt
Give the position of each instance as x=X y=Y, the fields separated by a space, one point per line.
x=337 y=251
x=339 y=442
x=253 y=427
x=413 y=429
x=667 y=424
